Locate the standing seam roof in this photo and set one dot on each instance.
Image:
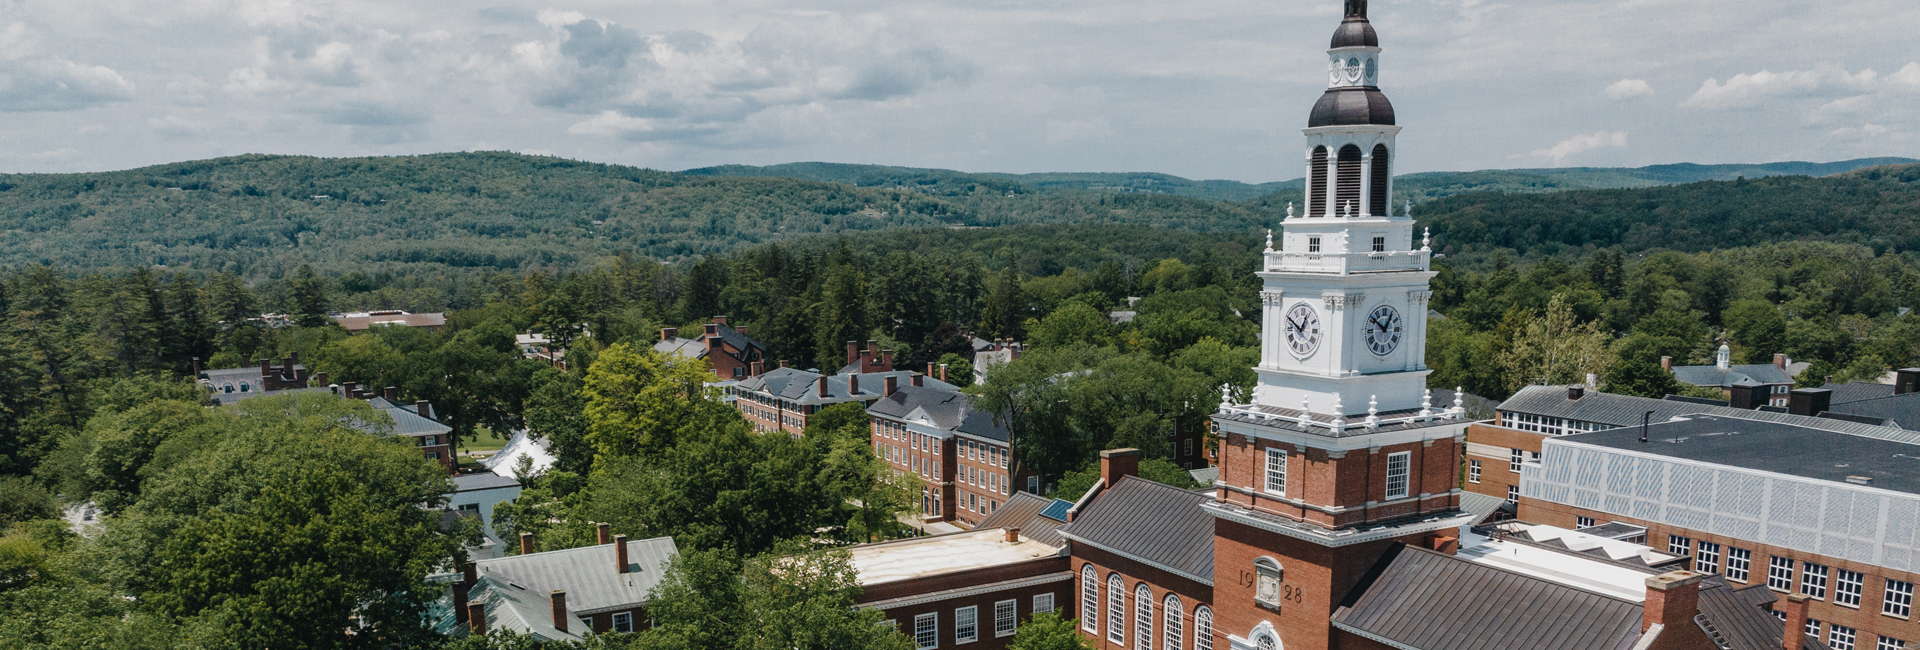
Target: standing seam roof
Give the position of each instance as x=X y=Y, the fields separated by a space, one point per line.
x=1150 y=521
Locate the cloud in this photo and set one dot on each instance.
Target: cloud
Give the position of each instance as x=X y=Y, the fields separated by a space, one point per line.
x=1580 y=143
x=1746 y=90
x=176 y=126
x=33 y=81
x=1059 y=131
x=1628 y=89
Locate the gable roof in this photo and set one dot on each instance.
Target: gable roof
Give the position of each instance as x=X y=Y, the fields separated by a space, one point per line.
x=946 y=408
x=1759 y=373
x=1038 y=518
x=799 y=387
x=1153 y=523
x=1855 y=391
x=516 y=588
x=1902 y=411
x=407 y=421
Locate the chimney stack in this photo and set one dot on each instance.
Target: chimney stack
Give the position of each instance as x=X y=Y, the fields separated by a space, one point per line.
x=1747 y=395
x=886 y=360
x=711 y=330
x=919 y=380
x=286 y=367
x=196 y=367
x=322 y=378
x=559 y=600
x=1117 y=463
x=1795 y=635
x=1906 y=380
x=821 y=384
x=526 y=543
x=741 y=329
x=669 y=332
x=853 y=385
x=756 y=369
x=720 y=320
x=1673 y=598
x=460 y=591
x=392 y=394
x=352 y=389
x=1809 y=401
x=603 y=533
x=1780 y=361
x=1576 y=391
x=424 y=408
x=476 y=618
x=1666 y=363
x=893 y=384
x=929 y=368
x=266 y=367
x=853 y=351
x=620 y=552
x=1013 y=535
x=943 y=372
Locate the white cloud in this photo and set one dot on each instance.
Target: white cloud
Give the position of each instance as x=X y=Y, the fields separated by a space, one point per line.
x=177 y=126
x=1629 y=88
x=1751 y=90
x=612 y=123
x=1908 y=78
x=1581 y=143
x=31 y=80
x=1059 y=131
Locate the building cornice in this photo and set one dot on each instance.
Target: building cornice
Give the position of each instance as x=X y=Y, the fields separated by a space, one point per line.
x=1333 y=537
x=1070 y=536
x=921 y=599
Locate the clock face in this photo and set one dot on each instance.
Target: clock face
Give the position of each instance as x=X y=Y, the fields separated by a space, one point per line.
x=1353 y=69
x=1303 y=329
x=1383 y=330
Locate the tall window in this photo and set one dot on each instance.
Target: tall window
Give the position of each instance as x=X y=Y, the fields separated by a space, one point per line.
x=1846 y=588
x=1382 y=172
x=1142 y=617
x=623 y=622
x=1473 y=471
x=1116 y=609
x=1813 y=581
x=1899 y=599
x=1006 y=618
x=1739 y=562
x=1203 y=628
x=1708 y=559
x=926 y=631
x=1398 y=465
x=1277 y=471
x=1317 y=199
x=1514 y=459
x=966 y=625
x=1267 y=579
x=1780 y=573
x=1513 y=494
x=1173 y=628
x=1313 y=244
x=1346 y=188
x=1678 y=545
x=1089 y=600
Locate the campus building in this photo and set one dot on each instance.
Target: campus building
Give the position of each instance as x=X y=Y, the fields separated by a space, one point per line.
x=961 y=457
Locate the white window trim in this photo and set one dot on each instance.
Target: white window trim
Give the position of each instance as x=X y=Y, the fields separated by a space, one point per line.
x=933 y=620
x=1012 y=619
x=961 y=631
x=1090 y=600
x=1473 y=471
x=616 y=622
x=1042 y=603
x=1275 y=454
x=1406 y=476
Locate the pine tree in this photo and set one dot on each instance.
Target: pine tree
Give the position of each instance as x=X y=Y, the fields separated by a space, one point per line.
x=309 y=297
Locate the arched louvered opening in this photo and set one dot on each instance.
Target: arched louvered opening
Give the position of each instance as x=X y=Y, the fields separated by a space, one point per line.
x=1317 y=183
x=1346 y=189
x=1377 y=197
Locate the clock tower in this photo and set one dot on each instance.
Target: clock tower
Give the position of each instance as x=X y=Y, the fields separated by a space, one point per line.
x=1342 y=452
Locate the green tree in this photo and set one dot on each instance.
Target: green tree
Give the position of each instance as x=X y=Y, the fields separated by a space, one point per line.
x=308 y=295
x=556 y=412
x=640 y=402
x=841 y=315
x=1073 y=322
x=959 y=369
x=23 y=499
x=1554 y=349
x=1074 y=484
x=807 y=600
x=1047 y=631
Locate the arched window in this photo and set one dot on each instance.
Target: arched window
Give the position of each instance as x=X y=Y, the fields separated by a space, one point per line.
x=1267 y=576
x=1377 y=198
x=1089 y=600
x=1173 y=628
x=1116 y=609
x=1143 y=617
x=227 y=387
x=1202 y=628
x=1347 y=186
x=1317 y=183
x=244 y=387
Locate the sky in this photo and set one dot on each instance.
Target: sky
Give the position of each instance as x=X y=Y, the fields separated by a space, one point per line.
x=1198 y=88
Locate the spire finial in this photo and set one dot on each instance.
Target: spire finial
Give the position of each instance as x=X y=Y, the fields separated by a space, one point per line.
x=1289 y=209
x=1426 y=238
x=1349 y=208
x=1269 y=240
x=1408 y=212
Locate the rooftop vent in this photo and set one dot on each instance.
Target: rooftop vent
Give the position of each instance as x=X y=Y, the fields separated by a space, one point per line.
x=1860 y=480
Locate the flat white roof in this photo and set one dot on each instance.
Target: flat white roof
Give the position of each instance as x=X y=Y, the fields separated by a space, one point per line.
x=1564 y=568
x=926 y=556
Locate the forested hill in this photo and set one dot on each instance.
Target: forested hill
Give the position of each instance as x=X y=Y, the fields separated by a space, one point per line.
x=1878 y=207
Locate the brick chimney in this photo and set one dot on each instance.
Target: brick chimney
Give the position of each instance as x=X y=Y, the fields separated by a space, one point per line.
x=476 y=618
x=424 y=408
x=853 y=351
x=669 y=332
x=720 y=320
x=196 y=367
x=392 y=394
x=929 y=368
x=266 y=367
x=620 y=553
x=1795 y=635
x=526 y=543
x=893 y=384
x=352 y=389
x=820 y=384
x=286 y=367
x=1013 y=535
x=943 y=372
x=603 y=533
x=756 y=369
x=1809 y=401
x=460 y=591
x=853 y=385
x=919 y=380
x=559 y=600
x=1666 y=363
x=1780 y=361
x=1673 y=598
x=322 y=378
x=1747 y=395
x=886 y=361
x=711 y=330
x=470 y=574
x=1443 y=543
x=1117 y=463
x=741 y=329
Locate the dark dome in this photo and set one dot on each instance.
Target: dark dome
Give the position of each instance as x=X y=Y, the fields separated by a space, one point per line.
x=1355 y=32
x=1351 y=106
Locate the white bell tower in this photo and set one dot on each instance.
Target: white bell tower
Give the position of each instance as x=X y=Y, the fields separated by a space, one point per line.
x=1343 y=329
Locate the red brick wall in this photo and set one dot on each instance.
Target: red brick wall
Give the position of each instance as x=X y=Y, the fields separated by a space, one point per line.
x=1315 y=579
x=1351 y=480
x=1192 y=595
x=603 y=622
x=946 y=609
x=445 y=457
x=1496 y=472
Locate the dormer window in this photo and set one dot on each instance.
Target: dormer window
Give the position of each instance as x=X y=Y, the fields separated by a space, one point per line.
x=226 y=388
x=244 y=387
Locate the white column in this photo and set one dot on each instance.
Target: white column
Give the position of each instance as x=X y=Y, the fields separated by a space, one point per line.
x=1333 y=180
x=1366 y=181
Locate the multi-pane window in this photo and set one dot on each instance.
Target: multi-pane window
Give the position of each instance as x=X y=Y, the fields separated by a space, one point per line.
x=1398 y=466
x=623 y=622
x=1708 y=559
x=966 y=625
x=1678 y=545
x=1473 y=471
x=1813 y=628
x=1379 y=244
x=1203 y=628
x=1143 y=617
x=1890 y=643
x=1739 y=563
x=1116 y=609
x=1582 y=522
x=1173 y=628
x=1780 y=573
x=1313 y=244
x=1813 y=580
x=1899 y=599
x=1042 y=603
x=1846 y=588
x=1513 y=494
x=1089 y=600
x=1006 y=618
x=1840 y=637
x=1277 y=471
x=1514 y=459
x=926 y=631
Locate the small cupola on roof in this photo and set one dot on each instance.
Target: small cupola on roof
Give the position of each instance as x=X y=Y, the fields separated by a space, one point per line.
x=1353 y=94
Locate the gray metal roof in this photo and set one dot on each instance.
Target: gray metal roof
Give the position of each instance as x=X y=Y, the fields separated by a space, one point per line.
x=1772 y=447
x=1855 y=391
x=1480 y=505
x=1730 y=613
x=1625 y=410
x=587 y=573
x=1902 y=411
x=482 y=481
x=1155 y=523
x=945 y=409
x=1026 y=511
x=1759 y=373
x=407 y=420
x=224 y=399
x=798 y=386
x=1432 y=601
